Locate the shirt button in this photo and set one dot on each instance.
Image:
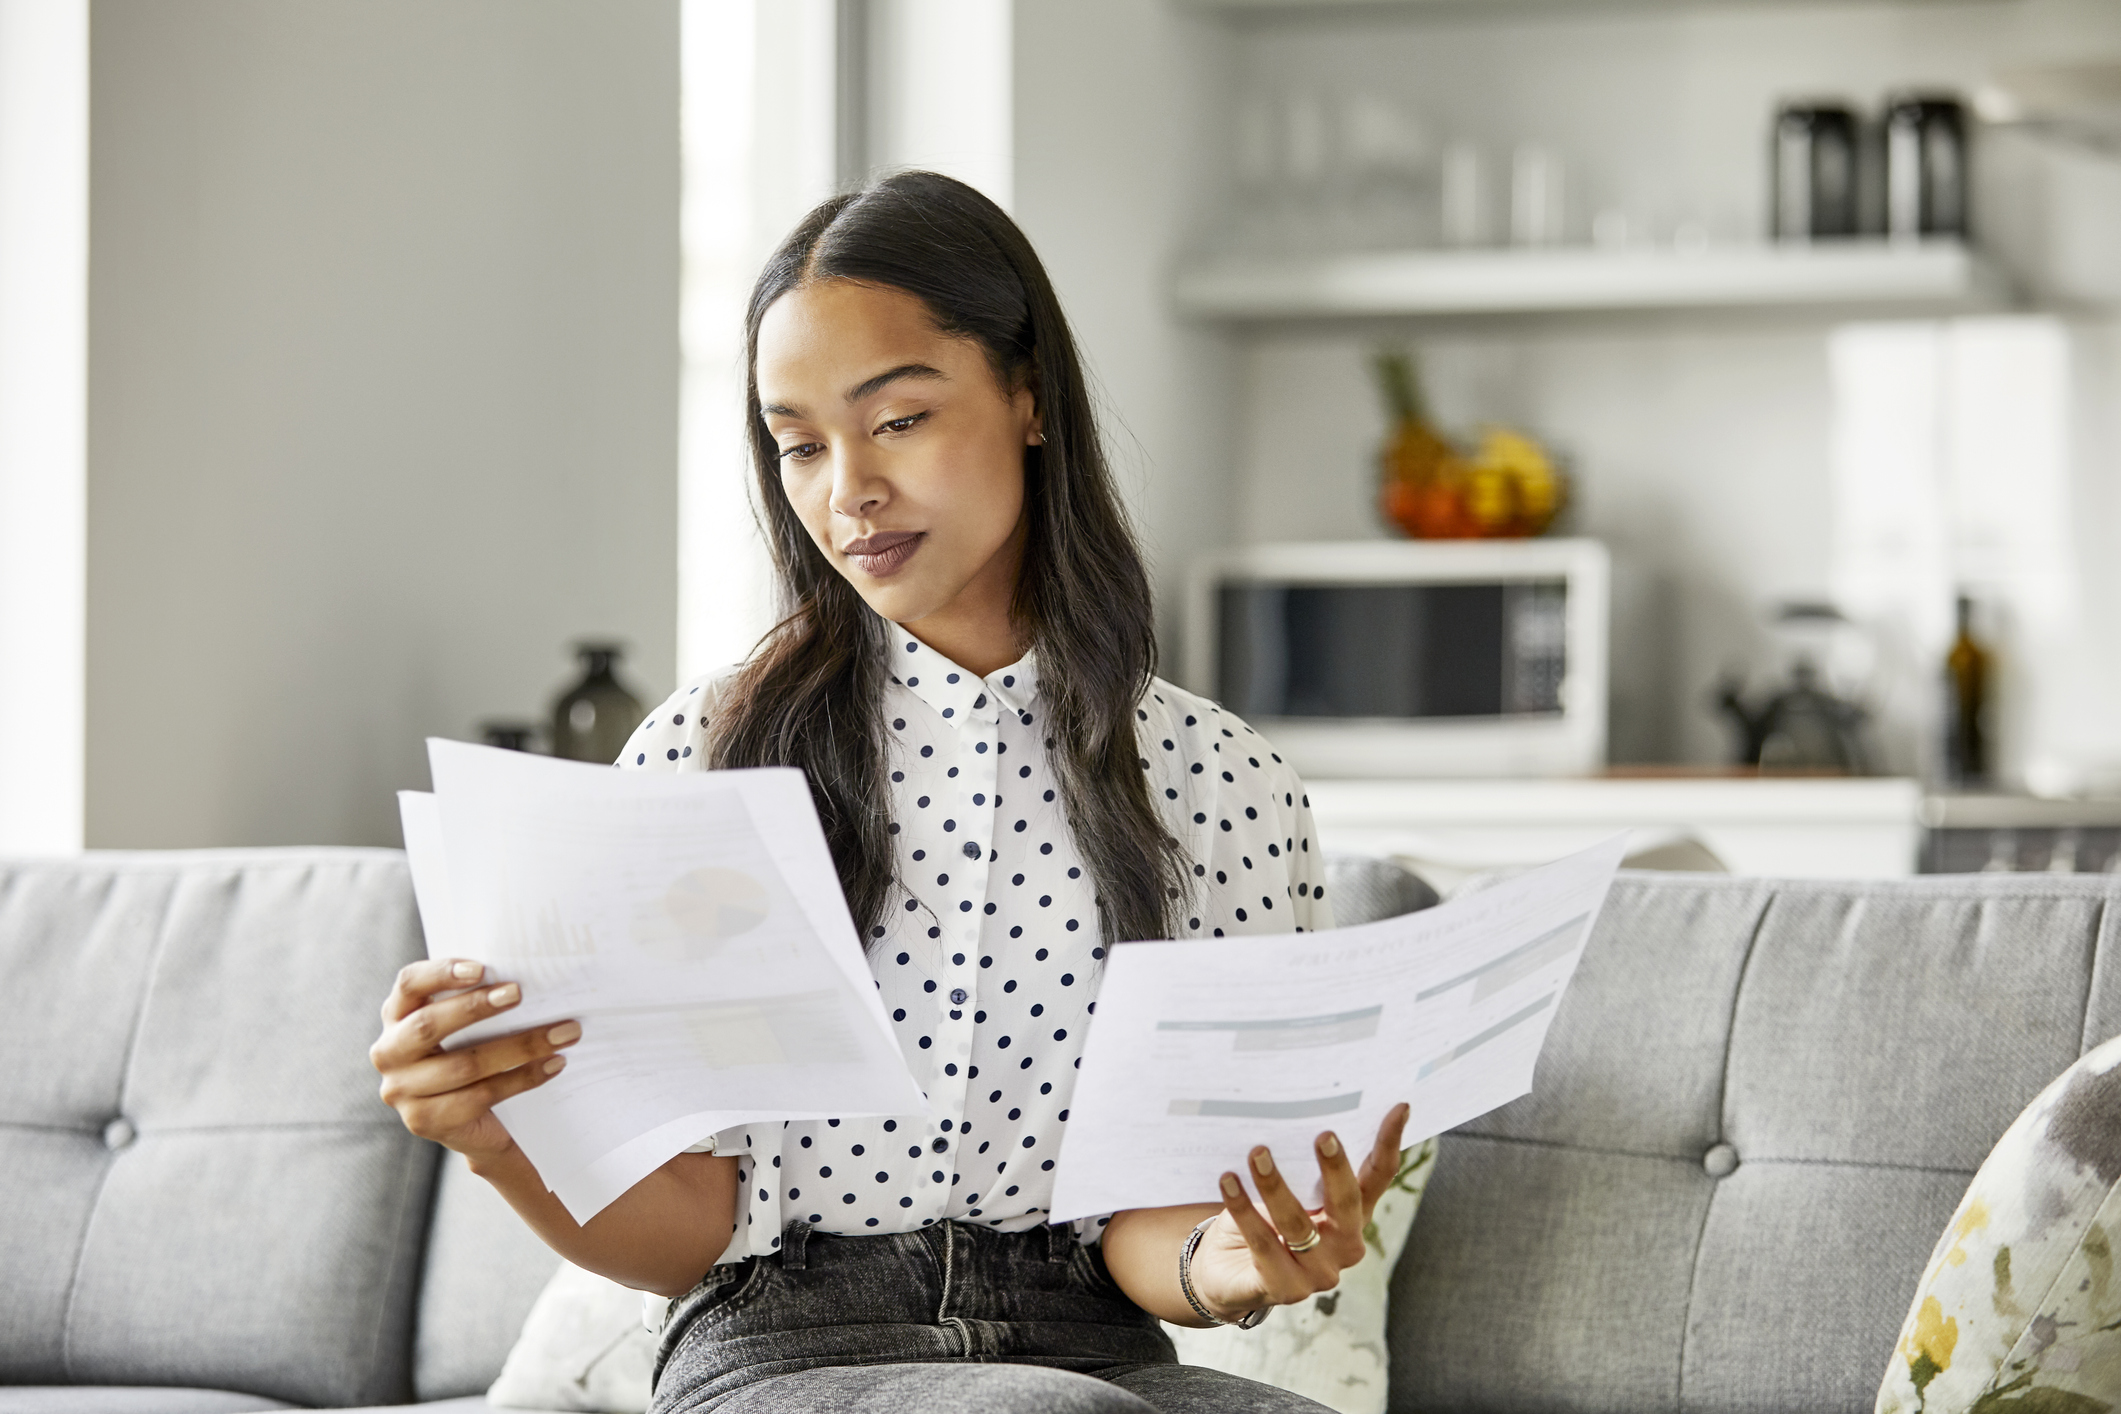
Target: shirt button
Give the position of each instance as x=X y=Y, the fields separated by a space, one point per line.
x=959 y=996
x=940 y=1145
x=971 y=850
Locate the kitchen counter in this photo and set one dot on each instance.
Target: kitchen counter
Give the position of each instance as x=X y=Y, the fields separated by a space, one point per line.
x=1824 y=827
x=1975 y=833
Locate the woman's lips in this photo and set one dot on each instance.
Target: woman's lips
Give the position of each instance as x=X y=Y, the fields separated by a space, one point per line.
x=881 y=555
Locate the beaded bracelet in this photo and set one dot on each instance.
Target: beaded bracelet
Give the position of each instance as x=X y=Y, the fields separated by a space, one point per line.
x=1185 y=1284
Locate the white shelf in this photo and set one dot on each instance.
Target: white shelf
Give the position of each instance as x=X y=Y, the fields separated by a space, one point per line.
x=1478 y=7
x=1934 y=275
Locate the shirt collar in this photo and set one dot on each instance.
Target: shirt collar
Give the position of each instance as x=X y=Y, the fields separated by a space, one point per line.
x=956 y=693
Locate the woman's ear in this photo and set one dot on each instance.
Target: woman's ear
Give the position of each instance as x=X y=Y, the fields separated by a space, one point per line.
x=1027 y=392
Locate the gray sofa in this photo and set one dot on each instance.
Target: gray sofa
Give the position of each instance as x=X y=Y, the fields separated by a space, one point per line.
x=1760 y=1102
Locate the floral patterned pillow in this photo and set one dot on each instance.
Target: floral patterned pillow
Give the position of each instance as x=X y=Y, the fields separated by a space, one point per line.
x=1332 y=1347
x=2020 y=1309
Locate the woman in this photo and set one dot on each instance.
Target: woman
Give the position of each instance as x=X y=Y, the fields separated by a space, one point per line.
x=964 y=672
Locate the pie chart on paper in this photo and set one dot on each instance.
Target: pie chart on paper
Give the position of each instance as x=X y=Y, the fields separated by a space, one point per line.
x=716 y=903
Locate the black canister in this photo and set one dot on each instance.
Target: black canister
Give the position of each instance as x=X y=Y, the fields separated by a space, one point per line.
x=1925 y=167
x=1814 y=171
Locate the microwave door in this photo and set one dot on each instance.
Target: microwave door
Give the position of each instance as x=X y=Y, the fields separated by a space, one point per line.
x=1391 y=652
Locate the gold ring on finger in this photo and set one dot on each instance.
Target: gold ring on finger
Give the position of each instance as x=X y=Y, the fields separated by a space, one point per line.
x=1307 y=1244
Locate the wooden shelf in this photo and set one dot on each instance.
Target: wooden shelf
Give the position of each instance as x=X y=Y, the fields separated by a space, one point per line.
x=1932 y=276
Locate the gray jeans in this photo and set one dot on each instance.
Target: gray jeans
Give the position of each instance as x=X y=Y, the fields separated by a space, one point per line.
x=950 y=1318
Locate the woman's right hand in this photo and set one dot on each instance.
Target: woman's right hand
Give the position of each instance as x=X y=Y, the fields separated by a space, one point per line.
x=448 y=1096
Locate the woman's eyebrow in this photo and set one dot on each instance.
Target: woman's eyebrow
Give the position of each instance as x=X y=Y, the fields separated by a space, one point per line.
x=867 y=386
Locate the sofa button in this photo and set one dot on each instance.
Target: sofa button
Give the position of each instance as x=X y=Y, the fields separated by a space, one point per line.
x=119 y=1133
x=1721 y=1161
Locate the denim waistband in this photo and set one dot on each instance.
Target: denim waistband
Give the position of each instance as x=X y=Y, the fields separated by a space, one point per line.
x=1053 y=1244
x=948 y=1292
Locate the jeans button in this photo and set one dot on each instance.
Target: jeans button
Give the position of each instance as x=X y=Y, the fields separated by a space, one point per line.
x=959 y=996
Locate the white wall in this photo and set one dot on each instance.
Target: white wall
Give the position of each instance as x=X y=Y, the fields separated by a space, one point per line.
x=43 y=419
x=382 y=391
x=940 y=90
x=1118 y=106
x=1658 y=111
x=1698 y=457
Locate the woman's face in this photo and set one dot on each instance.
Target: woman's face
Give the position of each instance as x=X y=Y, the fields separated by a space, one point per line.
x=900 y=451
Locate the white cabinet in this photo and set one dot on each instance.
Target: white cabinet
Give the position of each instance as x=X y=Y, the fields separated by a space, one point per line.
x=1446 y=830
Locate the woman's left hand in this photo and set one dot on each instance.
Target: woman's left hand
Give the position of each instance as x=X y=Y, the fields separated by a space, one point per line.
x=1247 y=1259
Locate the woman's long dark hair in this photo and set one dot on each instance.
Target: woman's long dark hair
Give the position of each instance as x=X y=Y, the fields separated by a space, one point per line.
x=812 y=695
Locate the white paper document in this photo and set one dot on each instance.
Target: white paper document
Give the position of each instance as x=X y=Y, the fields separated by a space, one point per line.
x=1202 y=1049
x=692 y=923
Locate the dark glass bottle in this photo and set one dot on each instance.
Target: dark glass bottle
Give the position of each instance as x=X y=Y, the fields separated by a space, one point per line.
x=1813 y=169
x=1925 y=168
x=592 y=719
x=1966 y=678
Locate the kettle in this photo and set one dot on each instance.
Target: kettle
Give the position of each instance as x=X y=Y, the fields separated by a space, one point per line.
x=1802 y=728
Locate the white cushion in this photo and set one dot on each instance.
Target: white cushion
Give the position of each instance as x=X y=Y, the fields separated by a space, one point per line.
x=583 y=1348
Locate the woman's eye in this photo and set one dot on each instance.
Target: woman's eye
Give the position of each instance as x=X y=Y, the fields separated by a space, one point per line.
x=901 y=424
x=802 y=453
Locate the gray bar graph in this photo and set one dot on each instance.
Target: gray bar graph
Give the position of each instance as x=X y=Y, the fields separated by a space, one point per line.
x=1288 y=1033
x=1270 y=1109
x=1514 y=965
x=1476 y=1042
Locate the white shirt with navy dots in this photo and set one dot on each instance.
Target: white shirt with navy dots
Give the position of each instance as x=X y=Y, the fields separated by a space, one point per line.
x=989 y=962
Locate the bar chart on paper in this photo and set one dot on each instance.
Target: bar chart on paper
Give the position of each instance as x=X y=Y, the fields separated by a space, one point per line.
x=1202 y=1049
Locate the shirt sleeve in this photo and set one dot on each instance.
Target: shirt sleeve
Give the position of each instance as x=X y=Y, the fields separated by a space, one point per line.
x=1266 y=873
x=674 y=736
x=1307 y=864
x=1242 y=814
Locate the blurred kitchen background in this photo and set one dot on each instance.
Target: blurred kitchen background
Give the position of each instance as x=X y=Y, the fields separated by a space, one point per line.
x=363 y=362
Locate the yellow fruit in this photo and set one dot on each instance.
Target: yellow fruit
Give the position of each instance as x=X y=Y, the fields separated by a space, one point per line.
x=1533 y=486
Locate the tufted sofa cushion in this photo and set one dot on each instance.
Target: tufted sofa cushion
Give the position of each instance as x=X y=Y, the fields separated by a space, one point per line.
x=202 y=1187
x=1759 y=1103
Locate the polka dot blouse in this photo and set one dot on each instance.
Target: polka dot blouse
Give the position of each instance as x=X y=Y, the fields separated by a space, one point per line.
x=989 y=963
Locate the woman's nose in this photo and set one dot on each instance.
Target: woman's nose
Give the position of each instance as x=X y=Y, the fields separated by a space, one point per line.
x=857 y=492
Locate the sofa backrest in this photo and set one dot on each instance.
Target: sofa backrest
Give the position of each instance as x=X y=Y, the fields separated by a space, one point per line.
x=1759 y=1104
x=201 y=1185
x=203 y=1188
x=484 y=1269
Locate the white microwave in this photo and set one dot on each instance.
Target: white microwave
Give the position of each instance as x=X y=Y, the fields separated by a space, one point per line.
x=1409 y=658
